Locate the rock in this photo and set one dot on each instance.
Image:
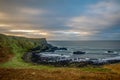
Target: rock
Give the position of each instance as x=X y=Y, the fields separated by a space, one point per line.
x=52 y=49
x=63 y=48
x=27 y=57
x=110 y=51
x=78 y=52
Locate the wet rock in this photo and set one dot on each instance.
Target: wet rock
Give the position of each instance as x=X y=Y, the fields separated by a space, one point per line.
x=63 y=48
x=110 y=51
x=78 y=52
x=52 y=49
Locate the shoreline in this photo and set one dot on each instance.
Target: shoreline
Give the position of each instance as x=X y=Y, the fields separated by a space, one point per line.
x=54 y=59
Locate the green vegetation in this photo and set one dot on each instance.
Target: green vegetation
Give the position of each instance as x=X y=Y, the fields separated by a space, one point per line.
x=18 y=62
x=21 y=44
x=13 y=48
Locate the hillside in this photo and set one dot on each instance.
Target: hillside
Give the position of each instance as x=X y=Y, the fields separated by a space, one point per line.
x=11 y=45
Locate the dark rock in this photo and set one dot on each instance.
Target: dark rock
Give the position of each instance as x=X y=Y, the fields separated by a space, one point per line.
x=63 y=48
x=78 y=52
x=110 y=51
x=52 y=49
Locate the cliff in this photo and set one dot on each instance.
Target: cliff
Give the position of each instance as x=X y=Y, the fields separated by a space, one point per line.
x=11 y=45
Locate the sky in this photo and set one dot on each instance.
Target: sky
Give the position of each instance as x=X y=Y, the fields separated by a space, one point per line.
x=61 y=19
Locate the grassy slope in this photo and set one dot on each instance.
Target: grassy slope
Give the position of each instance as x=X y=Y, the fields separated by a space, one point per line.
x=27 y=71
x=12 y=49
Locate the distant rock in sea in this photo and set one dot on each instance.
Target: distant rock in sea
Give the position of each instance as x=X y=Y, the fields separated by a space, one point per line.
x=78 y=52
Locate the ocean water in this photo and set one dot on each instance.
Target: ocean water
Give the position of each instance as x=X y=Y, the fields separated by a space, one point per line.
x=93 y=49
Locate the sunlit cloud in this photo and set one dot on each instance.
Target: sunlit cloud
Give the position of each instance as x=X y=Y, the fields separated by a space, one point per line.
x=71 y=32
x=23 y=30
x=30 y=32
x=4 y=25
x=12 y=34
x=32 y=11
x=39 y=33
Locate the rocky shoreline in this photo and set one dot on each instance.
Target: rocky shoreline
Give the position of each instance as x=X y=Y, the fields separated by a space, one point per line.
x=48 y=57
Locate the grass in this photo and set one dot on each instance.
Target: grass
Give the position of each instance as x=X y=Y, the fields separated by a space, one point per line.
x=95 y=69
x=59 y=74
x=114 y=67
x=18 y=62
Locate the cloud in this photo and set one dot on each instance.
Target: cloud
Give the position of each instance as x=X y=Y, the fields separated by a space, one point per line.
x=2 y=15
x=4 y=25
x=71 y=32
x=55 y=20
x=23 y=31
x=35 y=32
x=32 y=11
x=27 y=33
x=97 y=18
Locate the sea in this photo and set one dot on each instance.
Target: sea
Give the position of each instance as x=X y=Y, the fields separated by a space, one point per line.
x=93 y=49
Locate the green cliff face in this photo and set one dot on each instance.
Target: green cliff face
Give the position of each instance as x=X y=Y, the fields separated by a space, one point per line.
x=11 y=45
